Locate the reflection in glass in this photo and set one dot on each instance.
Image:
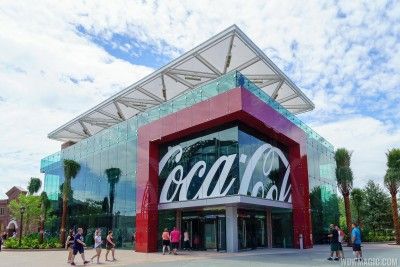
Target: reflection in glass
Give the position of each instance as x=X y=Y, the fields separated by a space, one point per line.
x=113 y=175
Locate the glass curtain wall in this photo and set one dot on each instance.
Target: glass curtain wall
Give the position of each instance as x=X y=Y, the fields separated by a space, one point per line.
x=323 y=189
x=249 y=142
x=207 y=147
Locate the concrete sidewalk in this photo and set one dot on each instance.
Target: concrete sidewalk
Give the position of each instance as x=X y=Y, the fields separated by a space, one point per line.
x=261 y=257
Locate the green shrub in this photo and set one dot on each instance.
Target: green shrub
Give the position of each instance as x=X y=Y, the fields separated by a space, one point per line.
x=32 y=242
x=11 y=243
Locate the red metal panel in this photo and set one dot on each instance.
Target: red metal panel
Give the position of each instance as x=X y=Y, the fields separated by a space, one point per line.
x=235 y=105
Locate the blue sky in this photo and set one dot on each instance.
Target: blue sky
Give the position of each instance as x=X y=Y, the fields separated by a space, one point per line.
x=58 y=59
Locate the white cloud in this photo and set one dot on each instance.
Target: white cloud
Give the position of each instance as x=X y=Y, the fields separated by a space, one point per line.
x=41 y=54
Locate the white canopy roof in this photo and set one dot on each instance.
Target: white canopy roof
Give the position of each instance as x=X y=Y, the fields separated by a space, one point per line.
x=226 y=51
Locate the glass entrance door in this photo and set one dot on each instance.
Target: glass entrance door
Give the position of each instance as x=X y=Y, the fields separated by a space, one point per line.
x=206 y=231
x=215 y=233
x=210 y=234
x=251 y=229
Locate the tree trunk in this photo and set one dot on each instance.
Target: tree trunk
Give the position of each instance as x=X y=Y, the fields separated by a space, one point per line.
x=395 y=215
x=348 y=216
x=112 y=194
x=41 y=230
x=63 y=220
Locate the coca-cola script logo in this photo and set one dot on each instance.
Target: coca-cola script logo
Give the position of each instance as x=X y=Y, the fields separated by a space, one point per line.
x=265 y=153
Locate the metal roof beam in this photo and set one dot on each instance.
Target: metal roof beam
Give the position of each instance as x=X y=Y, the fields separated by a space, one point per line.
x=85 y=129
x=248 y=63
x=207 y=64
x=138 y=100
x=151 y=95
x=229 y=54
x=295 y=106
x=289 y=97
x=180 y=80
x=164 y=89
x=76 y=132
x=194 y=73
x=119 y=110
x=266 y=83
x=275 y=93
x=108 y=114
x=100 y=120
x=130 y=105
x=263 y=77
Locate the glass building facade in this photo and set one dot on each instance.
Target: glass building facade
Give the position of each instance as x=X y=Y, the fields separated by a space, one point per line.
x=100 y=201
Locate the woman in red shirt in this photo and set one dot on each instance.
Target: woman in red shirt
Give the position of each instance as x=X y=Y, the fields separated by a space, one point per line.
x=175 y=238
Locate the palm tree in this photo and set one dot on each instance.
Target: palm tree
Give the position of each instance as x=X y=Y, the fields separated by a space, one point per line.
x=357 y=197
x=71 y=169
x=392 y=183
x=113 y=175
x=44 y=206
x=344 y=178
x=34 y=185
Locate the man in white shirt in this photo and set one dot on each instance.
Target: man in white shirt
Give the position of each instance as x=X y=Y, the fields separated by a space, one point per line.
x=341 y=239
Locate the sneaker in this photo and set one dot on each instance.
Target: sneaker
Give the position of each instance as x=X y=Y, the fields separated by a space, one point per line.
x=330 y=259
x=336 y=259
x=73 y=263
x=86 y=262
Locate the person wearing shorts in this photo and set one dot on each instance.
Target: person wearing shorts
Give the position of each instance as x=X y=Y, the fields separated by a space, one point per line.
x=97 y=245
x=340 y=239
x=186 y=240
x=356 y=239
x=110 y=245
x=69 y=244
x=334 y=235
x=175 y=238
x=165 y=241
x=78 y=247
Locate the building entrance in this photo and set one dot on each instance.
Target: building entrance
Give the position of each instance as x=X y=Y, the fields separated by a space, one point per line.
x=207 y=230
x=252 y=232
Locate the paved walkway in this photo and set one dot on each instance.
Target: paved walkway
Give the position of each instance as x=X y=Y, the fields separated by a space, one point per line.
x=262 y=257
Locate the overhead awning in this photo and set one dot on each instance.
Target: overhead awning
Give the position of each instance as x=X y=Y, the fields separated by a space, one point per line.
x=227 y=51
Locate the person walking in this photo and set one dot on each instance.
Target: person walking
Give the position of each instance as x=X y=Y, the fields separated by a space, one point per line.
x=334 y=236
x=356 y=239
x=340 y=239
x=165 y=241
x=110 y=246
x=186 y=240
x=97 y=245
x=69 y=243
x=196 y=242
x=133 y=239
x=78 y=247
x=175 y=238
